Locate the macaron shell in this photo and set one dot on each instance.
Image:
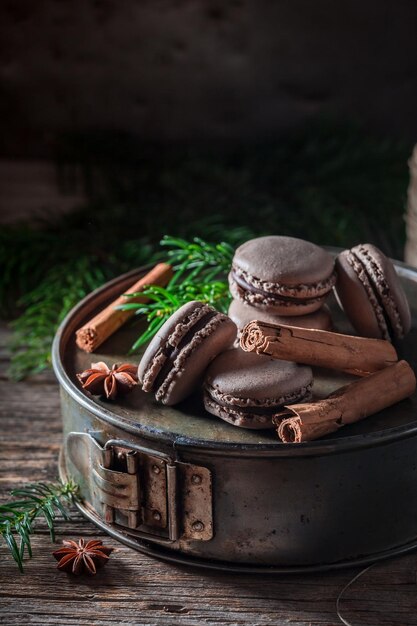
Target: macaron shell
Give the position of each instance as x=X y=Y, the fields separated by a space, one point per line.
x=189 y=373
x=369 y=291
x=390 y=290
x=249 y=379
x=178 y=322
x=284 y=260
x=242 y=313
x=354 y=299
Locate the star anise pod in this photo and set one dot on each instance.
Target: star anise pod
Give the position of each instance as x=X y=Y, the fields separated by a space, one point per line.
x=100 y=380
x=82 y=557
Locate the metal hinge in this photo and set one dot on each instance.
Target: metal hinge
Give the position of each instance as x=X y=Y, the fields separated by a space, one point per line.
x=147 y=492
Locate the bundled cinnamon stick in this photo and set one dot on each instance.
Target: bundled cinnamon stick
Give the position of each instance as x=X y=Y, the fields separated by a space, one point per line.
x=356 y=355
x=105 y=323
x=365 y=396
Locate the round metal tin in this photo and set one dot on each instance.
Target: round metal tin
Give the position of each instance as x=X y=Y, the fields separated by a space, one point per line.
x=348 y=499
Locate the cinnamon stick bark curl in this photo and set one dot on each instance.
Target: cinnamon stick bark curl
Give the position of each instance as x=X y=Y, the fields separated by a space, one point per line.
x=309 y=421
x=356 y=355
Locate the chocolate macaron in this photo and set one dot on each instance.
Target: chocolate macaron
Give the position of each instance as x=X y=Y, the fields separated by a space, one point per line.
x=175 y=360
x=370 y=293
x=241 y=314
x=282 y=275
x=246 y=389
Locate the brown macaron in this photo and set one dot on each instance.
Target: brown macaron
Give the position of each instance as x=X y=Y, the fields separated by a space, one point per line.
x=246 y=389
x=282 y=275
x=241 y=314
x=370 y=293
x=174 y=362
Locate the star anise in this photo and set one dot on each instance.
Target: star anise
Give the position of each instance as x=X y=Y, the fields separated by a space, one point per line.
x=82 y=557
x=100 y=380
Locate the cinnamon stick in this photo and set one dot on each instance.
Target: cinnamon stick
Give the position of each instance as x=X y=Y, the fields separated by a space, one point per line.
x=110 y=319
x=365 y=396
x=356 y=355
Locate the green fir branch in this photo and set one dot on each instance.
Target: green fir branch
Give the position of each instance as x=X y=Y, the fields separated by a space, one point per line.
x=37 y=500
x=198 y=255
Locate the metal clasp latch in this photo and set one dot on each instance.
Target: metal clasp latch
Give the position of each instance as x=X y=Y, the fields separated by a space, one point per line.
x=145 y=491
x=139 y=484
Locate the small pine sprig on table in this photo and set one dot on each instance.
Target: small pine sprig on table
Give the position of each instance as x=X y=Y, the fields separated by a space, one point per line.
x=200 y=270
x=37 y=500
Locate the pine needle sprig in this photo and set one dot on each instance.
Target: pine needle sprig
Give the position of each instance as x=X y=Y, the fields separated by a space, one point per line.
x=200 y=270
x=36 y=500
x=198 y=255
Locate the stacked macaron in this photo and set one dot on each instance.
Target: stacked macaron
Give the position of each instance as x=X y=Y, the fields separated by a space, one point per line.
x=281 y=279
x=272 y=279
x=246 y=389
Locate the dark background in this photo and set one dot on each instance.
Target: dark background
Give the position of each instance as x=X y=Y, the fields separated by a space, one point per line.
x=199 y=71
x=92 y=82
x=125 y=121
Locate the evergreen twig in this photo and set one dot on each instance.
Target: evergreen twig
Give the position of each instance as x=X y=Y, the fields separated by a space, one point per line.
x=36 y=500
x=198 y=254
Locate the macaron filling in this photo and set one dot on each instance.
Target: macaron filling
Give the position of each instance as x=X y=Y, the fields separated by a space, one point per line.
x=247 y=412
x=303 y=291
x=377 y=289
x=259 y=293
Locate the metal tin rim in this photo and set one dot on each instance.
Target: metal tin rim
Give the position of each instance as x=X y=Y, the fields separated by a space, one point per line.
x=159 y=552
x=278 y=449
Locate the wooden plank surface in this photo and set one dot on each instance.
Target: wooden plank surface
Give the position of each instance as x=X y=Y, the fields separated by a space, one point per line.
x=136 y=589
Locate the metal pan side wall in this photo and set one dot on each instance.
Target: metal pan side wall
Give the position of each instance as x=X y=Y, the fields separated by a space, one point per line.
x=300 y=511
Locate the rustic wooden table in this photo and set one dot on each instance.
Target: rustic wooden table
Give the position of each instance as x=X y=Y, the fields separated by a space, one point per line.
x=136 y=589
